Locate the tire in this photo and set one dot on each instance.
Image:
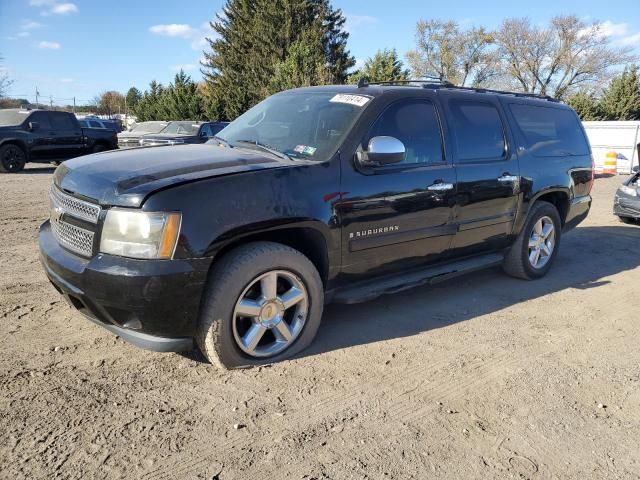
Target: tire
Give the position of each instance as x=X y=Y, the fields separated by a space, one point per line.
x=223 y=332
x=626 y=219
x=517 y=262
x=98 y=148
x=12 y=158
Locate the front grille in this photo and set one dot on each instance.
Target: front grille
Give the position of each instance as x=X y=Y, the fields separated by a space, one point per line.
x=73 y=237
x=129 y=142
x=74 y=206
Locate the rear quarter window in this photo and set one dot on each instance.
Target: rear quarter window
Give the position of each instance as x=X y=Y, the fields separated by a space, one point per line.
x=548 y=131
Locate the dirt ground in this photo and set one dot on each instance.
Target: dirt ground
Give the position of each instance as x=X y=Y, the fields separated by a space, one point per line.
x=482 y=377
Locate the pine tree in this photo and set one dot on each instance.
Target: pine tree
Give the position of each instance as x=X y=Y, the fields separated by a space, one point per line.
x=585 y=105
x=621 y=100
x=182 y=100
x=383 y=66
x=133 y=97
x=260 y=40
x=151 y=105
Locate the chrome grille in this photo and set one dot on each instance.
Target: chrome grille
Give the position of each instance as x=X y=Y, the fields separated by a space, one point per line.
x=74 y=238
x=74 y=207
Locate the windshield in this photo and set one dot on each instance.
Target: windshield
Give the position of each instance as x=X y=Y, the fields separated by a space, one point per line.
x=182 y=128
x=301 y=124
x=13 y=117
x=149 y=127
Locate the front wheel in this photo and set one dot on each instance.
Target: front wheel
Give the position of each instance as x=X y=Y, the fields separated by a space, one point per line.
x=12 y=159
x=263 y=304
x=533 y=252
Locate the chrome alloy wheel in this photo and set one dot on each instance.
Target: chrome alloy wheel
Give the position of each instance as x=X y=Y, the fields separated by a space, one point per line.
x=542 y=242
x=270 y=313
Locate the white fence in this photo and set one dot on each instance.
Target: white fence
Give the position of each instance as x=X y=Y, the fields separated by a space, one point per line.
x=619 y=137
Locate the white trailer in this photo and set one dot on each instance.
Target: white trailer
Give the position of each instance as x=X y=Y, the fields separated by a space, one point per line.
x=619 y=137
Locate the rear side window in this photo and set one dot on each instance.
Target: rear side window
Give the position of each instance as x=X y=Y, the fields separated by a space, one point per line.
x=61 y=122
x=550 y=132
x=415 y=124
x=94 y=124
x=477 y=131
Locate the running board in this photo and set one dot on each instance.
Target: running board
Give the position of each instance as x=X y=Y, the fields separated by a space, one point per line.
x=370 y=289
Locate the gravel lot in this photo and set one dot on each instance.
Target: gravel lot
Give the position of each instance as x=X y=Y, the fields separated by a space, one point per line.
x=482 y=377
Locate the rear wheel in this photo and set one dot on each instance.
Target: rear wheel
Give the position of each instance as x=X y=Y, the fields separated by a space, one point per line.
x=626 y=219
x=12 y=158
x=264 y=304
x=533 y=252
x=98 y=148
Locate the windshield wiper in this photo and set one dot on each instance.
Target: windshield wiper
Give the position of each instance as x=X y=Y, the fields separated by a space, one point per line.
x=266 y=148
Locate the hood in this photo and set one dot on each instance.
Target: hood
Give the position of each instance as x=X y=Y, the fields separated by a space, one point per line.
x=126 y=177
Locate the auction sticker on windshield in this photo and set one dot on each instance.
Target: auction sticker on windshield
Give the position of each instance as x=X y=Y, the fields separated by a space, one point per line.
x=357 y=100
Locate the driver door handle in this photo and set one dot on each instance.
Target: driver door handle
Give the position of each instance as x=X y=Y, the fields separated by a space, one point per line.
x=507 y=178
x=440 y=187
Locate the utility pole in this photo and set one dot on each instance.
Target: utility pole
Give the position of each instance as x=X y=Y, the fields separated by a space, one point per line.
x=37 y=94
x=50 y=102
x=74 y=105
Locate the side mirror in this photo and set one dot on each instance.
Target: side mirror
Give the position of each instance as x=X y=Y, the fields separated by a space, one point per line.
x=34 y=126
x=635 y=169
x=383 y=151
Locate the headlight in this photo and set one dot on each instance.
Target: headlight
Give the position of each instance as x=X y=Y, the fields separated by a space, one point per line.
x=137 y=234
x=175 y=142
x=629 y=190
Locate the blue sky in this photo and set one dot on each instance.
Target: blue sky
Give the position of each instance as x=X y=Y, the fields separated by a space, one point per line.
x=81 y=47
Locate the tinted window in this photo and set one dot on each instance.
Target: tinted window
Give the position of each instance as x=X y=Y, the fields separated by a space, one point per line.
x=95 y=124
x=414 y=123
x=477 y=131
x=61 y=122
x=216 y=127
x=42 y=118
x=550 y=132
x=205 y=131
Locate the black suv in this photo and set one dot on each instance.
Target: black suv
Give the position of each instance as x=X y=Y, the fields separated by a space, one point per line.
x=339 y=193
x=179 y=132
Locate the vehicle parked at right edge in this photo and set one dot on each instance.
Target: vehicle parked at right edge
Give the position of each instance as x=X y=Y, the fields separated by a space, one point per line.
x=323 y=194
x=45 y=136
x=179 y=132
x=132 y=138
x=626 y=204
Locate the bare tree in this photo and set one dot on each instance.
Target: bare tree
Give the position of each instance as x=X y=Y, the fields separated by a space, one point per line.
x=5 y=81
x=448 y=53
x=559 y=59
x=109 y=102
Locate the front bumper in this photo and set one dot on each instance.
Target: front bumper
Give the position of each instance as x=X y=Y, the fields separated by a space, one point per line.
x=153 y=304
x=626 y=206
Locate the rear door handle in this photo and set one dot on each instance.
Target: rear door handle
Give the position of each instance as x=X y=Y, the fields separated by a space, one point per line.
x=440 y=187
x=506 y=178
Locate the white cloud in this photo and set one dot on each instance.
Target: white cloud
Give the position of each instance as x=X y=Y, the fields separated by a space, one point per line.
x=29 y=25
x=197 y=35
x=49 y=45
x=66 y=80
x=354 y=22
x=12 y=38
x=63 y=8
x=173 y=30
x=187 y=67
x=630 y=40
x=24 y=34
x=54 y=7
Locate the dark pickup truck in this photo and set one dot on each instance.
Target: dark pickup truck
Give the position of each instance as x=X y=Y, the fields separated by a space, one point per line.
x=336 y=193
x=46 y=136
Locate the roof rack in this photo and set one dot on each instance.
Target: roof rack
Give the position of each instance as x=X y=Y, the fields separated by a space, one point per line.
x=437 y=83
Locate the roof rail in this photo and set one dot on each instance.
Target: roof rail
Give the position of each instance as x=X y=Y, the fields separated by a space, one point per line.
x=438 y=83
